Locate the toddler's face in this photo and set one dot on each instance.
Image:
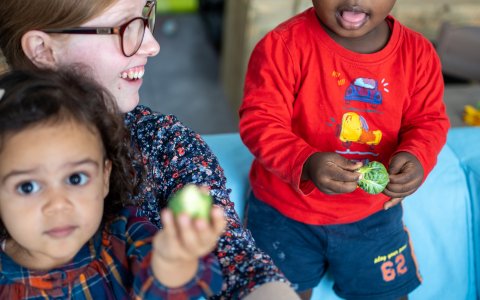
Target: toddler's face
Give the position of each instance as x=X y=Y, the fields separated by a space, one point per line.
x=352 y=19
x=53 y=181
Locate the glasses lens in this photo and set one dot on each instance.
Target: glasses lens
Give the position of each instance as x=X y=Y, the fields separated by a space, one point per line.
x=151 y=21
x=149 y=12
x=133 y=36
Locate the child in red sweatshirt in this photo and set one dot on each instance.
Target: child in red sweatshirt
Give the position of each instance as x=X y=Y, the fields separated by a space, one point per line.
x=339 y=85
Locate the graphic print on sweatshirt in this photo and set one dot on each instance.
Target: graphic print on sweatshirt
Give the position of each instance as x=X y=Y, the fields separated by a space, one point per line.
x=354 y=127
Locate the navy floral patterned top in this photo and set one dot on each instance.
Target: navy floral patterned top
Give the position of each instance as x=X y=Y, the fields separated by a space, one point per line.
x=172 y=155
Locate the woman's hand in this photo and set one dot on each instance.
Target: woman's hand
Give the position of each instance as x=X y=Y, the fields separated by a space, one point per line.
x=181 y=242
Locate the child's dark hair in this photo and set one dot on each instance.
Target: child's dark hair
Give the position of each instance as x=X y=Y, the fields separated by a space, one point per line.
x=52 y=97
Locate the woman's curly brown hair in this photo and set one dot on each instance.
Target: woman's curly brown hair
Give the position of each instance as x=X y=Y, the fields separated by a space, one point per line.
x=54 y=97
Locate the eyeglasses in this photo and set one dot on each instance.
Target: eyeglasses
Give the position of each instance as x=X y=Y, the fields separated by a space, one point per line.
x=131 y=33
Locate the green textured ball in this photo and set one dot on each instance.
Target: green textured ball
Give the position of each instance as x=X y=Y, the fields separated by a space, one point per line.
x=193 y=201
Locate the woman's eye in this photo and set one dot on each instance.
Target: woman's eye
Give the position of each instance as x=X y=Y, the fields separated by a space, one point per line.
x=78 y=179
x=28 y=187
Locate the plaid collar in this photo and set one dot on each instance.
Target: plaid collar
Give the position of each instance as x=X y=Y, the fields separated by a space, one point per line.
x=55 y=278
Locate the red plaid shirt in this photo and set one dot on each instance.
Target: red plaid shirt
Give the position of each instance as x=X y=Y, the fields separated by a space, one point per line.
x=114 y=264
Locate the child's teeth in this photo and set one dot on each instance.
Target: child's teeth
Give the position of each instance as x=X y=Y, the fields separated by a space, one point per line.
x=123 y=75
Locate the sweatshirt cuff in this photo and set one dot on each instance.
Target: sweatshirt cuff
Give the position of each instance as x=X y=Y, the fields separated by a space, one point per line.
x=207 y=282
x=303 y=187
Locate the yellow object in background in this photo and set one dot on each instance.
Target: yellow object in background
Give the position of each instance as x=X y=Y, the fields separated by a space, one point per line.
x=177 y=6
x=471 y=115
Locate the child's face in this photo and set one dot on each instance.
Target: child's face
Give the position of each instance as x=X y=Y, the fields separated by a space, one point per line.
x=352 y=19
x=53 y=181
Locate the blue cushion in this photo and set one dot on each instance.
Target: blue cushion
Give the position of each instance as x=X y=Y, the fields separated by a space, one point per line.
x=439 y=218
x=465 y=142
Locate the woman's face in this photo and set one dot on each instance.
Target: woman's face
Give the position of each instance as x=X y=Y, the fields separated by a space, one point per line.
x=103 y=53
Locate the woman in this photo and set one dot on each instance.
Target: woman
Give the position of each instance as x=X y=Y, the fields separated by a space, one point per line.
x=114 y=39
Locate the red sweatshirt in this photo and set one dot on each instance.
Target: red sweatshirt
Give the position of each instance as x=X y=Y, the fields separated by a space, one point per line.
x=304 y=94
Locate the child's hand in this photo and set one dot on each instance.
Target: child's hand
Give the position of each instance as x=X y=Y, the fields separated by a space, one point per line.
x=331 y=173
x=406 y=176
x=183 y=240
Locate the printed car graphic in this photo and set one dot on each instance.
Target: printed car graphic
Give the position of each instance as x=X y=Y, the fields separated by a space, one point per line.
x=365 y=90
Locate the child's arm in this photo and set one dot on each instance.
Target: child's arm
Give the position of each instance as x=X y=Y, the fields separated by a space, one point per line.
x=189 y=274
x=266 y=114
x=424 y=127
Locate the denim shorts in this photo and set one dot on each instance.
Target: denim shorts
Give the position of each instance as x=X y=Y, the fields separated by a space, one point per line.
x=369 y=259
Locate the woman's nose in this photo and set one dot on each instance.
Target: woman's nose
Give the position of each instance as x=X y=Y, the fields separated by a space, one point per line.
x=149 y=46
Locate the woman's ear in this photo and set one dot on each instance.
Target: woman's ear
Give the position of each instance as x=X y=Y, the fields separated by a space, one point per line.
x=38 y=47
x=107 y=169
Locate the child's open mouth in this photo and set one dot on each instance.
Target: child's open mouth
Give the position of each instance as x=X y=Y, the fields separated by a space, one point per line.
x=352 y=18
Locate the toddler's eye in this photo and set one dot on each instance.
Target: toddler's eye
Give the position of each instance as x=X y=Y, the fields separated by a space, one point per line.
x=78 y=179
x=28 y=187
